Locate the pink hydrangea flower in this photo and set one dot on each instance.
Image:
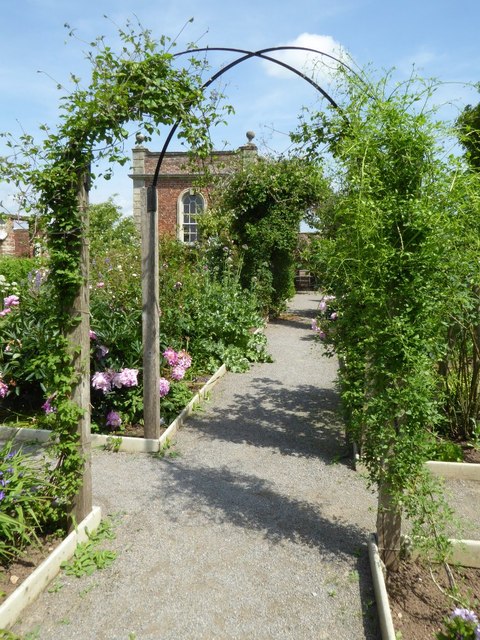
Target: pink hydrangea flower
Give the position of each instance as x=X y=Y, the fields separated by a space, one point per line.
x=171 y=356
x=184 y=359
x=102 y=380
x=4 y=312
x=126 y=378
x=93 y=335
x=164 y=387
x=178 y=372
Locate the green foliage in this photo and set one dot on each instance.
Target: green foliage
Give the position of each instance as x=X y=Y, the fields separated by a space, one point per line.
x=468 y=124
x=88 y=558
x=109 y=232
x=391 y=254
x=18 y=271
x=25 y=501
x=178 y=398
x=207 y=311
x=263 y=205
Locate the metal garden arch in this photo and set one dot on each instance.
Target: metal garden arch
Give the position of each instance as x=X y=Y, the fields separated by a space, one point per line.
x=150 y=235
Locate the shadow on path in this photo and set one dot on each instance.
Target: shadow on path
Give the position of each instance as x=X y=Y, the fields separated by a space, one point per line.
x=248 y=502
x=299 y=421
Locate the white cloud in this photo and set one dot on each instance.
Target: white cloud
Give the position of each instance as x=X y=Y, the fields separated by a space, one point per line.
x=320 y=67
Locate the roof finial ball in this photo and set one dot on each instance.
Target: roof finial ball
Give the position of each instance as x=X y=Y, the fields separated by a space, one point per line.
x=140 y=139
x=250 y=136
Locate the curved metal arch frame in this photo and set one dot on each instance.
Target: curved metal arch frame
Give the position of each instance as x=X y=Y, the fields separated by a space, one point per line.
x=150 y=271
x=246 y=55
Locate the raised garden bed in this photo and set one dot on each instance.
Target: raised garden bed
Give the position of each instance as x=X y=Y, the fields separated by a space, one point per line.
x=37 y=580
x=410 y=603
x=119 y=441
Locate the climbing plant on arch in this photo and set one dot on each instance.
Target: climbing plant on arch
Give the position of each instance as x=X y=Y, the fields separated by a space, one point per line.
x=141 y=85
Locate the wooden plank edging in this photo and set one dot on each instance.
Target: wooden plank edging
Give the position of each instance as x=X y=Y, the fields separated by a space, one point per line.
x=125 y=443
x=38 y=580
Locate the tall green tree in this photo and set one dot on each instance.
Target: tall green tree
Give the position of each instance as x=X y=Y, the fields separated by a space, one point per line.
x=468 y=125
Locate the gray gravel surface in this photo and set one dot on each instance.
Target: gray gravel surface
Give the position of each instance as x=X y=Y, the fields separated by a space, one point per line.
x=256 y=529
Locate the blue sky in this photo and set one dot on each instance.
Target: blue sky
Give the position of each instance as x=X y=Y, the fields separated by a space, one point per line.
x=440 y=38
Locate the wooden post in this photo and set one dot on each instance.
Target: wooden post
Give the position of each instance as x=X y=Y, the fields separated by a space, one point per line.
x=389 y=529
x=150 y=315
x=80 y=341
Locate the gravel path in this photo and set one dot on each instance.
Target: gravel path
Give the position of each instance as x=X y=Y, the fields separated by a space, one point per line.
x=256 y=530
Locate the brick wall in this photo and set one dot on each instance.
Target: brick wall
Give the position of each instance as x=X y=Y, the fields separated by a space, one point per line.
x=17 y=243
x=177 y=174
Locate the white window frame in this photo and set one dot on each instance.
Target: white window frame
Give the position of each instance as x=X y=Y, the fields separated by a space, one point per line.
x=182 y=225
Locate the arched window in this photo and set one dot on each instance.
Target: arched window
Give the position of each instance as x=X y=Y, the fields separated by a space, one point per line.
x=191 y=205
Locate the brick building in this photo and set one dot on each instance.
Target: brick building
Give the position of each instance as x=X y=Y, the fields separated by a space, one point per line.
x=15 y=237
x=179 y=198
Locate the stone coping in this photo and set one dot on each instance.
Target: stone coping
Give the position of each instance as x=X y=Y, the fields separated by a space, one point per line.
x=123 y=443
x=38 y=580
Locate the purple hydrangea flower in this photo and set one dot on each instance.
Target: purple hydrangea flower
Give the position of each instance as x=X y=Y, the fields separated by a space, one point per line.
x=2 y=495
x=113 y=419
x=164 y=387
x=93 y=335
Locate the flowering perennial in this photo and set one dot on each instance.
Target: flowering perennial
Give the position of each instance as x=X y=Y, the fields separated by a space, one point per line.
x=179 y=362
x=462 y=624
x=3 y=388
x=164 y=387
x=113 y=419
x=8 y=303
x=106 y=380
